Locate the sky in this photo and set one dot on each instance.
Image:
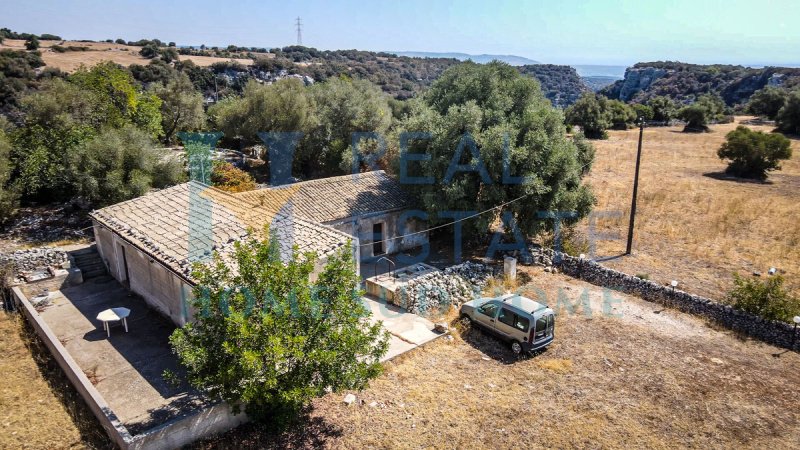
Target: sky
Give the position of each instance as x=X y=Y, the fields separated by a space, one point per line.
x=614 y=32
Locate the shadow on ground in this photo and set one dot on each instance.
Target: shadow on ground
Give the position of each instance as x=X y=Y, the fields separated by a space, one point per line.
x=92 y=433
x=722 y=176
x=489 y=345
x=308 y=433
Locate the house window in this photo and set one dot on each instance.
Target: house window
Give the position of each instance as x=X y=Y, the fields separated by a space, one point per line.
x=377 y=237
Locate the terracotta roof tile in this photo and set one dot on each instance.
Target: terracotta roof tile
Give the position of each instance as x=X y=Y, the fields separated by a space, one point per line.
x=159 y=223
x=334 y=198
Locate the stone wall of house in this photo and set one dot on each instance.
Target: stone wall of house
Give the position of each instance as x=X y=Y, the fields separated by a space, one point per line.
x=773 y=332
x=361 y=227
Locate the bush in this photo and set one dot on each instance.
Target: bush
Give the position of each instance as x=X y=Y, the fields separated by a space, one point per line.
x=707 y=108
x=590 y=112
x=663 y=108
x=32 y=44
x=120 y=42
x=753 y=153
x=230 y=178
x=269 y=339
x=768 y=298
x=767 y=102
x=788 y=118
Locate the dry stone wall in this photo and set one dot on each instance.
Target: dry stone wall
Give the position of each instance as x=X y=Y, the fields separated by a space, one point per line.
x=780 y=334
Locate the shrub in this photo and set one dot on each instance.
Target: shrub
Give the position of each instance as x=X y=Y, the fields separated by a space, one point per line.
x=767 y=298
x=707 y=108
x=32 y=43
x=753 y=153
x=663 y=108
x=268 y=338
x=120 y=42
x=230 y=178
x=767 y=102
x=591 y=113
x=788 y=118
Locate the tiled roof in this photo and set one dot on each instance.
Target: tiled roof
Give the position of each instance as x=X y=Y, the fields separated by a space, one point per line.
x=159 y=223
x=335 y=198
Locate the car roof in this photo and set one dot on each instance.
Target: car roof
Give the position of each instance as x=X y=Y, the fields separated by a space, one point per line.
x=522 y=303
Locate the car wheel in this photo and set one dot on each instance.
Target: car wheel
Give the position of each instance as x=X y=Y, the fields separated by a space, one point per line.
x=516 y=347
x=466 y=321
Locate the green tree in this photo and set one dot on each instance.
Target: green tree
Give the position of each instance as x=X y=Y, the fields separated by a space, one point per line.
x=268 y=338
x=121 y=164
x=621 y=115
x=753 y=153
x=643 y=111
x=346 y=106
x=591 y=113
x=472 y=114
x=664 y=108
x=788 y=118
x=282 y=106
x=9 y=199
x=707 y=108
x=150 y=50
x=32 y=43
x=767 y=102
x=181 y=107
x=768 y=298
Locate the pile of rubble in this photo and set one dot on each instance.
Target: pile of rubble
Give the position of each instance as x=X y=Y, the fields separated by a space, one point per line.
x=33 y=260
x=437 y=291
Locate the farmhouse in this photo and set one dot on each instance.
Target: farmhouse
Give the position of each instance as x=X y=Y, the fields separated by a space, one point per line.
x=150 y=243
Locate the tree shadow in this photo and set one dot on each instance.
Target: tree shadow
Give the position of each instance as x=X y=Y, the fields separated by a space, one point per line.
x=92 y=433
x=306 y=432
x=722 y=176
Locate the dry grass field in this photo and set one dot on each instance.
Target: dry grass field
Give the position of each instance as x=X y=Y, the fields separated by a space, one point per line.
x=38 y=407
x=647 y=379
x=691 y=225
x=124 y=55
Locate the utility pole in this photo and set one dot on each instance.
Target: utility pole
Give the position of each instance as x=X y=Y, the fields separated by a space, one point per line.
x=635 y=187
x=299 y=26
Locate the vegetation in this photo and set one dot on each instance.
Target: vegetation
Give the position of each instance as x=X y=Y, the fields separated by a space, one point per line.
x=621 y=115
x=32 y=43
x=181 y=106
x=591 y=113
x=664 y=108
x=560 y=84
x=708 y=108
x=788 y=118
x=268 y=338
x=8 y=197
x=120 y=164
x=470 y=113
x=684 y=82
x=767 y=102
x=230 y=178
x=753 y=153
x=767 y=298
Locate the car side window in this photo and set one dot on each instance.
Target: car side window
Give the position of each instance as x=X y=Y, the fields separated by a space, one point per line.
x=488 y=309
x=506 y=316
x=521 y=323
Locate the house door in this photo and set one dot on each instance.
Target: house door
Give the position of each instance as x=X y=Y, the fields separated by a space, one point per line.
x=124 y=264
x=377 y=237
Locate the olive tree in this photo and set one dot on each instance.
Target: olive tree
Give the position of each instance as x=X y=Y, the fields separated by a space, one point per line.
x=788 y=118
x=754 y=153
x=592 y=114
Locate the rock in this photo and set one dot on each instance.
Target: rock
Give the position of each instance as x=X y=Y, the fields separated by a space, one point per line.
x=349 y=399
x=373 y=404
x=756 y=274
x=441 y=327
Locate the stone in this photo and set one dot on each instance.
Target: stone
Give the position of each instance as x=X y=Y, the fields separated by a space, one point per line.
x=441 y=327
x=349 y=399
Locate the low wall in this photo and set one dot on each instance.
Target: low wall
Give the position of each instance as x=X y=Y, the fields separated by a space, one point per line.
x=780 y=334
x=175 y=433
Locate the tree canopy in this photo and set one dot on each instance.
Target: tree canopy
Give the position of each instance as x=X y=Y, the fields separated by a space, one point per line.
x=267 y=337
x=754 y=153
x=463 y=124
x=591 y=113
x=788 y=118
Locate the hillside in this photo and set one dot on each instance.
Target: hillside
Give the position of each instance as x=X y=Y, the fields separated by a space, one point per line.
x=513 y=60
x=560 y=84
x=683 y=82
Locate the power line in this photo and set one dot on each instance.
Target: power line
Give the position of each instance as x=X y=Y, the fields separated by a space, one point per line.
x=299 y=26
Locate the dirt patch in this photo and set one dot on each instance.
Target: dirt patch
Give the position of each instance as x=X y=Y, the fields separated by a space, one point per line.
x=639 y=377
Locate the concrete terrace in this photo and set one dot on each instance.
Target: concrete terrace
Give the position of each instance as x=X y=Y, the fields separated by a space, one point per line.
x=127 y=368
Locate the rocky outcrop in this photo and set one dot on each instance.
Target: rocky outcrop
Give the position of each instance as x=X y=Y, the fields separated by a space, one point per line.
x=636 y=80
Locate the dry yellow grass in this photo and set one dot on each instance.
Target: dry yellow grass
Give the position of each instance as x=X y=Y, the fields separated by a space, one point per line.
x=689 y=226
x=642 y=380
x=38 y=406
x=102 y=51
